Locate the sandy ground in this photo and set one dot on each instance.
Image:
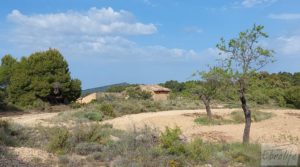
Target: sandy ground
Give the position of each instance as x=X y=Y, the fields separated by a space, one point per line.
x=282 y=128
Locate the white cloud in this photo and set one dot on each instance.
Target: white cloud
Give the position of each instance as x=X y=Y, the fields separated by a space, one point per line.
x=94 y=21
x=98 y=33
x=253 y=3
x=285 y=16
x=289 y=45
x=193 y=29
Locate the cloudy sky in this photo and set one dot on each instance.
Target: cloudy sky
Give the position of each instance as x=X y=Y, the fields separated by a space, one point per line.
x=145 y=41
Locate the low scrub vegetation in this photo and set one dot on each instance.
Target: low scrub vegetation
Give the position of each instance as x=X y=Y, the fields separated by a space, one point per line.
x=102 y=145
x=110 y=107
x=235 y=117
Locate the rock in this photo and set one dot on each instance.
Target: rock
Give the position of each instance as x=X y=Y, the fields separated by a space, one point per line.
x=114 y=138
x=183 y=138
x=140 y=137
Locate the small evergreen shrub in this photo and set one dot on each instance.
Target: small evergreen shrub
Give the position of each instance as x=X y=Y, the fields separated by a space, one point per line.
x=59 y=142
x=170 y=140
x=108 y=110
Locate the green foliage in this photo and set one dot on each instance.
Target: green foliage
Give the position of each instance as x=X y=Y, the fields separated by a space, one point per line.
x=59 y=142
x=143 y=148
x=2 y=99
x=296 y=79
x=200 y=151
x=204 y=120
x=11 y=134
x=235 y=117
x=212 y=82
x=42 y=76
x=6 y=69
x=108 y=110
x=292 y=96
x=170 y=140
x=5 y=133
x=244 y=54
x=244 y=153
x=90 y=115
x=118 y=89
x=82 y=139
x=175 y=86
x=137 y=93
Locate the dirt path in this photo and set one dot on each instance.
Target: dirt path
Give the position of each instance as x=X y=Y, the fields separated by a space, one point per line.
x=284 y=127
x=31 y=119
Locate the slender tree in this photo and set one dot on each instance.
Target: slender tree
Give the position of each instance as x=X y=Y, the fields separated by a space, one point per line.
x=209 y=87
x=242 y=56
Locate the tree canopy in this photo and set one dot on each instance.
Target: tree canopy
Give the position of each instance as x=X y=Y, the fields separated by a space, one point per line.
x=41 y=77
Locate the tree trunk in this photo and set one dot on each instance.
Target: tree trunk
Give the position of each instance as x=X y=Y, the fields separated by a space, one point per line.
x=207 y=106
x=247 y=113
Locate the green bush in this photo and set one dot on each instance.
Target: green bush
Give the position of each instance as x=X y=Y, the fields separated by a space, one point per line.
x=75 y=105
x=59 y=143
x=243 y=153
x=170 y=140
x=259 y=96
x=93 y=116
x=108 y=110
x=11 y=134
x=137 y=93
x=216 y=120
x=5 y=133
x=90 y=115
x=200 y=151
x=292 y=96
x=94 y=133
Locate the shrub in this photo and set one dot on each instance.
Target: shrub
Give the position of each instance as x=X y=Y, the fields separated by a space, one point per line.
x=86 y=148
x=292 y=96
x=216 y=120
x=170 y=140
x=90 y=115
x=10 y=133
x=200 y=151
x=94 y=116
x=259 y=97
x=75 y=105
x=94 y=133
x=59 y=142
x=137 y=93
x=108 y=110
x=243 y=153
x=5 y=133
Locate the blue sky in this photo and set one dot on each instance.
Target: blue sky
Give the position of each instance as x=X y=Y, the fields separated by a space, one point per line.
x=145 y=41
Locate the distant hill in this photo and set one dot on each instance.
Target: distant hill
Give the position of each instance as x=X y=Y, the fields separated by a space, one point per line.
x=102 y=88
